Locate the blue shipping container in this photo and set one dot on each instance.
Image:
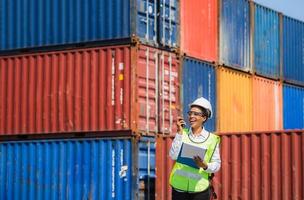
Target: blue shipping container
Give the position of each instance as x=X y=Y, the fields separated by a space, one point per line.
x=199 y=80
x=293 y=50
x=266 y=42
x=73 y=169
x=32 y=23
x=235 y=34
x=146 y=168
x=169 y=22
x=293 y=107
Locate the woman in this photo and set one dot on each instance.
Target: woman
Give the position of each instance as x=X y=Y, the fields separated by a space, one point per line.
x=190 y=175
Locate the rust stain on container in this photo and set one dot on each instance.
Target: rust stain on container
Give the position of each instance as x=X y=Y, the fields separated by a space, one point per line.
x=199 y=29
x=90 y=90
x=267 y=105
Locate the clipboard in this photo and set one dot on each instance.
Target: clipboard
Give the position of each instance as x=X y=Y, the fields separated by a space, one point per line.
x=187 y=153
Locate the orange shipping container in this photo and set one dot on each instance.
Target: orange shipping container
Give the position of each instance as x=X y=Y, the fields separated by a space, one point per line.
x=96 y=89
x=199 y=29
x=267 y=105
x=234 y=101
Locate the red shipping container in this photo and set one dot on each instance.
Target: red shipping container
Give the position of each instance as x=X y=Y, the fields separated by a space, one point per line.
x=110 y=88
x=199 y=29
x=163 y=167
x=255 y=165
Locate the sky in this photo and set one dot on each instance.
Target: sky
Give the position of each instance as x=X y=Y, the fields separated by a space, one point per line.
x=291 y=8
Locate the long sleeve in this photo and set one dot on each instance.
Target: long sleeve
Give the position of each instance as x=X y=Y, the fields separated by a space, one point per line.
x=215 y=163
x=176 y=146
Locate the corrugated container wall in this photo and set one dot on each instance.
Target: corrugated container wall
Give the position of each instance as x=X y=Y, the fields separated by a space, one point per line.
x=146 y=168
x=254 y=166
x=293 y=107
x=234 y=101
x=199 y=29
x=30 y=24
x=267 y=105
x=266 y=42
x=169 y=22
x=68 y=169
x=293 y=50
x=109 y=88
x=78 y=169
x=198 y=80
x=261 y=166
x=234 y=45
x=164 y=165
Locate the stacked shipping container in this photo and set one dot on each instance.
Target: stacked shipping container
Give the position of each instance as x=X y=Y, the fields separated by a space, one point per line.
x=133 y=86
x=262 y=49
x=106 y=88
x=234 y=47
x=31 y=24
x=96 y=168
x=259 y=42
x=200 y=77
x=267 y=104
x=126 y=86
x=293 y=50
x=199 y=29
x=266 y=40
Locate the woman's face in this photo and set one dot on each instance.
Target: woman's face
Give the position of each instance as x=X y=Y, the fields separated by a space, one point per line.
x=196 y=117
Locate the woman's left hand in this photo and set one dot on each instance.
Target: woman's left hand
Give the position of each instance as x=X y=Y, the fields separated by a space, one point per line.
x=200 y=162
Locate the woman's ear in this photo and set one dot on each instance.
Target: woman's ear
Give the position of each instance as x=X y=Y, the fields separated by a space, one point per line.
x=204 y=119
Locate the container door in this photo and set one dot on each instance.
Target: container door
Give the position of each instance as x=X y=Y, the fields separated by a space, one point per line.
x=168 y=23
x=147 y=20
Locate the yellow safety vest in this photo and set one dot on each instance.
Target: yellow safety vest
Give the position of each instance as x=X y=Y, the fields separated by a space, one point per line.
x=186 y=178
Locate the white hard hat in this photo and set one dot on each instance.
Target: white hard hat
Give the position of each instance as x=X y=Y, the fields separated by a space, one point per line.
x=204 y=103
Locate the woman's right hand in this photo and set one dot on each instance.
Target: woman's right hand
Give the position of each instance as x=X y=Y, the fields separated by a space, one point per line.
x=180 y=123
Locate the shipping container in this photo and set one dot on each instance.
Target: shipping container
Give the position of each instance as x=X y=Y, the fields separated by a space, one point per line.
x=168 y=25
x=146 y=168
x=266 y=41
x=234 y=47
x=198 y=80
x=234 y=101
x=164 y=165
x=267 y=104
x=265 y=165
x=293 y=107
x=93 y=168
x=293 y=50
x=257 y=165
x=31 y=24
x=110 y=88
x=199 y=29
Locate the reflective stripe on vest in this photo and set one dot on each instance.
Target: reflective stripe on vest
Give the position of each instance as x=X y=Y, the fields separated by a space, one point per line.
x=188 y=174
x=186 y=178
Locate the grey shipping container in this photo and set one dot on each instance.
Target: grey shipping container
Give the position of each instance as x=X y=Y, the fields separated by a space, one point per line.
x=31 y=23
x=104 y=168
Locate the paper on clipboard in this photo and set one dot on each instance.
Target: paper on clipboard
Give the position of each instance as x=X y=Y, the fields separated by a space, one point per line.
x=189 y=151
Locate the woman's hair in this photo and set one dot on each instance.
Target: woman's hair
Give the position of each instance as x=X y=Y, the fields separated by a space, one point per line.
x=206 y=113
